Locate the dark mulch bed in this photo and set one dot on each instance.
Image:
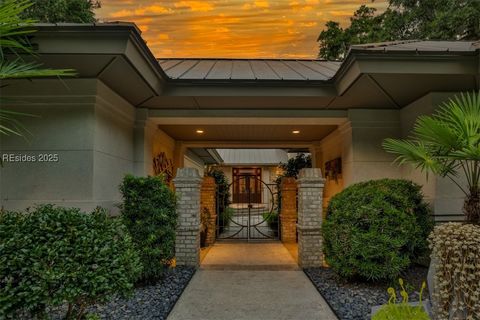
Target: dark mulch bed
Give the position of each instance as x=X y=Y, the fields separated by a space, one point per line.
x=148 y=302
x=353 y=300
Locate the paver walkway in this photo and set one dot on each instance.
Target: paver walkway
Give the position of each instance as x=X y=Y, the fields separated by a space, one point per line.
x=251 y=281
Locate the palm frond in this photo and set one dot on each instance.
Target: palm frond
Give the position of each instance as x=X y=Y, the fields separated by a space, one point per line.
x=462 y=115
x=9 y=124
x=446 y=143
x=471 y=153
x=18 y=69
x=436 y=133
x=413 y=152
x=12 y=26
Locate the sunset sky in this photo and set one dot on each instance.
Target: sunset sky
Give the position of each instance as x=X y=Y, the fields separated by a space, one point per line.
x=232 y=28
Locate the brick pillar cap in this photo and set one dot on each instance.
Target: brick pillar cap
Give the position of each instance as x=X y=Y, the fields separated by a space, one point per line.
x=187 y=175
x=288 y=180
x=310 y=175
x=208 y=181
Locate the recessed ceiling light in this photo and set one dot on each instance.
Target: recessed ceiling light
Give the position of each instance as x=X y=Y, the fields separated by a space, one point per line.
x=200 y=131
x=296 y=131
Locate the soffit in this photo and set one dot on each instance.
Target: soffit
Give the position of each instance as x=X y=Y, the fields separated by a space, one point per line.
x=247 y=133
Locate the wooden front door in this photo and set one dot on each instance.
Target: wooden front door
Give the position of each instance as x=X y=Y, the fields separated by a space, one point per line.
x=247 y=185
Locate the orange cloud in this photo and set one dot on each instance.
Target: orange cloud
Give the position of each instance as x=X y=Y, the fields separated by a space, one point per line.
x=232 y=28
x=261 y=4
x=308 y=24
x=201 y=6
x=340 y=13
x=145 y=10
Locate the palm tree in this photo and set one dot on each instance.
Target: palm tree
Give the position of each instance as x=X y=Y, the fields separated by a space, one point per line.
x=447 y=144
x=14 y=32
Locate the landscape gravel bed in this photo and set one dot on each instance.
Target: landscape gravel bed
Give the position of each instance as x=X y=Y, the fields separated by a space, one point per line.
x=147 y=302
x=353 y=300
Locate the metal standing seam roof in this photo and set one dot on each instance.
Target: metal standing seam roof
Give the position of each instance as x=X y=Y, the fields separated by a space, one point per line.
x=249 y=69
x=253 y=156
x=295 y=69
x=420 y=46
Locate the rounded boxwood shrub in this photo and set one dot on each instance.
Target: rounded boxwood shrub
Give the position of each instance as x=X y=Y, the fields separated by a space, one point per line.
x=148 y=211
x=52 y=255
x=375 y=229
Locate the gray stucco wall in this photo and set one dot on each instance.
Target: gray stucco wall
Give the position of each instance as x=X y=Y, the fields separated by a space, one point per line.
x=446 y=197
x=359 y=143
x=365 y=159
x=113 y=145
x=368 y=130
x=87 y=125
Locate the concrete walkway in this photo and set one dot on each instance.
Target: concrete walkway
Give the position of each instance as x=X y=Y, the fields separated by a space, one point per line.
x=251 y=281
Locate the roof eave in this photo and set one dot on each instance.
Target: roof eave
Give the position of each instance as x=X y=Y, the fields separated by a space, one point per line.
x=122 y=40
x=351 y=68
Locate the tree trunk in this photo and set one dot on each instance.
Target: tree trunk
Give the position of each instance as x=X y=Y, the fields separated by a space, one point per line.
x=471 y=206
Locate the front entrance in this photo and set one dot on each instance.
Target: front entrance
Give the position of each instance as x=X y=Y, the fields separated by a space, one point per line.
x=247 y=186
x=253 y=213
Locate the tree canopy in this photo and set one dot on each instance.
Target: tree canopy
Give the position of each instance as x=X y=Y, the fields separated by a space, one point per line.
x=403 y=20
x=53 y=11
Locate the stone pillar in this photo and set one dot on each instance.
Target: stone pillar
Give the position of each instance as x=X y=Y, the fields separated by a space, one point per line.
x=310 y=198
x=187 y=243
x=288 y=213
x=207 y=200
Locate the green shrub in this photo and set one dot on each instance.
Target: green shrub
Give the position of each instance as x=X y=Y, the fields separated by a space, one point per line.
x=225 y=217
x=373 y=230
x=148 y=211
x=271 y=218
x=53 y=255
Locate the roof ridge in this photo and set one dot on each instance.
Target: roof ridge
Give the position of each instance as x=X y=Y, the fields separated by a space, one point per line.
x=383 y=44
x=244 y=59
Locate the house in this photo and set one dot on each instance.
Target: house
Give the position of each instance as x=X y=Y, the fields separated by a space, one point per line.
x=126 y=111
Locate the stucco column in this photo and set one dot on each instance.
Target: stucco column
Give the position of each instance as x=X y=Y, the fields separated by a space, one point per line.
x=316 y=154
x=288 y=213
x=187 y=243
x=207 y=200
x=142 y=143
x=179 y=154
x=310 y=199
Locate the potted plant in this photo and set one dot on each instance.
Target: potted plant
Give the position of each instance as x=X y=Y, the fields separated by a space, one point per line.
x=395 y=310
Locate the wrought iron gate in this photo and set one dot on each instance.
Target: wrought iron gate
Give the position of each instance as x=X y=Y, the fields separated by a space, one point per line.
x=253 y=215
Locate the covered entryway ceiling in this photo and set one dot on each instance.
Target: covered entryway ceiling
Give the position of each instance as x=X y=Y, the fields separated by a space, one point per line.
x=247 y=132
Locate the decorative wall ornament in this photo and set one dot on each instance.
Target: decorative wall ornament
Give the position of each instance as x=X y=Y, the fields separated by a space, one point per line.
x=163 y=166
x=333 y=169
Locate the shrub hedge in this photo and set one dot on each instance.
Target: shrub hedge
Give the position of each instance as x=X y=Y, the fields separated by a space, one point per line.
x=373 y=230
x=148 y=211
x=53 y=255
